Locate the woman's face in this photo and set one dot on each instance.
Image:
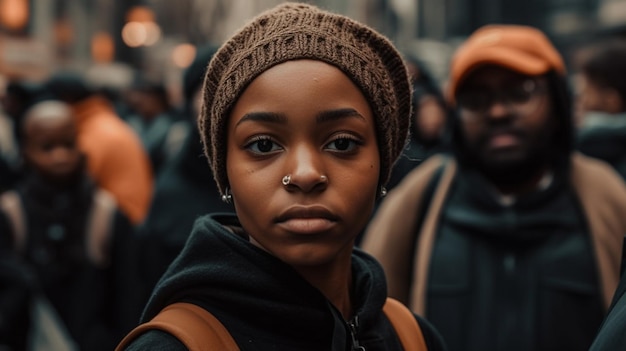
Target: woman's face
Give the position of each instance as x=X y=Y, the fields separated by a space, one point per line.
x=308 y=120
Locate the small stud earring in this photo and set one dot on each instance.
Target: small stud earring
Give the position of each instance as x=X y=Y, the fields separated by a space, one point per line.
x=227 y=197
x=383 y=191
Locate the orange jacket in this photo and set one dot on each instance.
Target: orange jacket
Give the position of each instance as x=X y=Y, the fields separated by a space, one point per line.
x=115 y=156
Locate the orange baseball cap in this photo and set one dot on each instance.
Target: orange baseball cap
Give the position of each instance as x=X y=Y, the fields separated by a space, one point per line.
x=520 y=48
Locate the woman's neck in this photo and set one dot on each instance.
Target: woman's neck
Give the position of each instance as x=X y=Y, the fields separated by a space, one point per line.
x=334 y=281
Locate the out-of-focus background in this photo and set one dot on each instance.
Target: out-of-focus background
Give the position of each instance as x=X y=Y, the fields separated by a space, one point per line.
x=110 y=41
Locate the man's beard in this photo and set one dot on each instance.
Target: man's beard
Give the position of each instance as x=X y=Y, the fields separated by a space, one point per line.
x=514 y=171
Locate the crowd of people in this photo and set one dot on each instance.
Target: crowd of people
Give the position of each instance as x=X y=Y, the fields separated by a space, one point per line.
x=313 y=177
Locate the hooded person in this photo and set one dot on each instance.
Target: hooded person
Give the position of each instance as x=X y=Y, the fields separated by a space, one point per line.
x=184 y=191
x=304 y=113
x=515 y=240
x=116 y=159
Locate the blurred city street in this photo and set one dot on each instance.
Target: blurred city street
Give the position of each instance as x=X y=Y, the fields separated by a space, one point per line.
x=110 y=41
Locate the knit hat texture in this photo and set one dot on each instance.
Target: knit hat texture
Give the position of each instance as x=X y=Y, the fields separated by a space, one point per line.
x=292 y=31
x=519 y=48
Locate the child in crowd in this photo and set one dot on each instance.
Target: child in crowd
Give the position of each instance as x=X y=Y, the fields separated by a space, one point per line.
x=70 y=232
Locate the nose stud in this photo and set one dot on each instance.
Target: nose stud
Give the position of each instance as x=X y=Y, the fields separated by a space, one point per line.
x=286 y=180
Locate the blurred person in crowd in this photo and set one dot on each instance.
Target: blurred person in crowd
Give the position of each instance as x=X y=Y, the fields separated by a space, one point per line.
x=158 y=125
x=304 y=113
x=184 y=190
x=70 y=232
x=514 y=242
x=602 y=100
x=429 y=125
x=429 y=122
x=116 y=158
x=14 y=101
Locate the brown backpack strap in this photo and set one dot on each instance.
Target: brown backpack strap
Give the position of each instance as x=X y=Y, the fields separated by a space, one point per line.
x=11 y=205
x=192 y=325
x=99 y=227
x=390 y=235
x=403 y=321
x=426 y=241
x=602 y=195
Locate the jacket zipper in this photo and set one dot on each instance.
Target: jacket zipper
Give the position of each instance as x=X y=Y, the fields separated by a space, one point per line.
x=353 y=325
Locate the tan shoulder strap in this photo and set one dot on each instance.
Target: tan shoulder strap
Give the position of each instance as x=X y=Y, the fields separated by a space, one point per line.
x=99 y=227
x=602 y=194
x=11 y=204
x=426 y=240
x=194 y=326
x=389 y=236
x=403 y=321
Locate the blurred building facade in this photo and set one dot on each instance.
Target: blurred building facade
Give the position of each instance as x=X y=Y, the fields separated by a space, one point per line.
x=109 y=40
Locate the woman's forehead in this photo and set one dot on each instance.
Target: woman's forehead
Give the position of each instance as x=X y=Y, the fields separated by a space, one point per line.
x=301 y=85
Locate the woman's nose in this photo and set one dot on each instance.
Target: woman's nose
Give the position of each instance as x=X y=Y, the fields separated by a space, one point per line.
x=306 y=169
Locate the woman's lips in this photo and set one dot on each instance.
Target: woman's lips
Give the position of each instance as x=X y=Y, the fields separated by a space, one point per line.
x=306 y=219
x=307 y=225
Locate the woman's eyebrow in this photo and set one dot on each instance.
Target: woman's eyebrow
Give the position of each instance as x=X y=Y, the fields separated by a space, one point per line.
x=271 y=117
x=334 y=115
x=280 y=118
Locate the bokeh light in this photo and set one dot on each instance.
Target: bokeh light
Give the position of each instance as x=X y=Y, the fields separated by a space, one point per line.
x=183 y=55
x=134 y=34
x=102 y=47
x=141 y=28
x=14 y=13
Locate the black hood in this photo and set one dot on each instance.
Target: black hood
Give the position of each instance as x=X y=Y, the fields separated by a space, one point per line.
x=253 y=293
x=563 y=139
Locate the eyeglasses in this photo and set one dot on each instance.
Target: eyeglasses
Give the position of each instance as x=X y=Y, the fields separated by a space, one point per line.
x=522 y=96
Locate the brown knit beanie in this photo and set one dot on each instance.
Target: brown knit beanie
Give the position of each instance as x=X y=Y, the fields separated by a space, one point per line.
x=293 y=31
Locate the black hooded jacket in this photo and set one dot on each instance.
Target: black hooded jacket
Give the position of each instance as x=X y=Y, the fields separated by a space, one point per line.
x=264 y=303
x=97 y=304
x=612 y=335
x=184 y=191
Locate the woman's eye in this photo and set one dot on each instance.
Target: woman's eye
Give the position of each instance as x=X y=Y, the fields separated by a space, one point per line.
x=344 y=144
x=262 y=145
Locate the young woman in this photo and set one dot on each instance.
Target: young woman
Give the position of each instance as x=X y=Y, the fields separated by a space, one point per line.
x=304 y=113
